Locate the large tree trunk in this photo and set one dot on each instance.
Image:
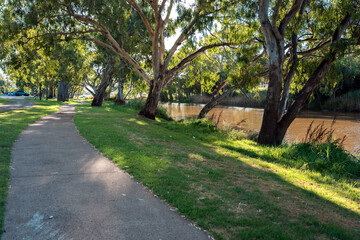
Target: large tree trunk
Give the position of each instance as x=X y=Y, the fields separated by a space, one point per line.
x=150 y=109
x=271 y=110
x=63 y=91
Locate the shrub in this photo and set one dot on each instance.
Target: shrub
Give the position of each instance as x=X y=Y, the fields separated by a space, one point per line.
x=327 y=158
x=349 y=102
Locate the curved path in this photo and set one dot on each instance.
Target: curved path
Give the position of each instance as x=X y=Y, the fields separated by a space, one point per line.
x=62 y=188
x=17 y=103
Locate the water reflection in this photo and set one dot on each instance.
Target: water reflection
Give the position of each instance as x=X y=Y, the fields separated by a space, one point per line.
x=346 y=124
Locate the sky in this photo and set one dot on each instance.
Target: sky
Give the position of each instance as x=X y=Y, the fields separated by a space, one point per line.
x=169 y=42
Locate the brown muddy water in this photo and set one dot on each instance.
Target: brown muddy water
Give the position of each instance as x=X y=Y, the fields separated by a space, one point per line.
x=250 y=118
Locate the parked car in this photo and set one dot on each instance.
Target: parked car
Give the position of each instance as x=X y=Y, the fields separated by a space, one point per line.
x=11 y=94
x=21 y=93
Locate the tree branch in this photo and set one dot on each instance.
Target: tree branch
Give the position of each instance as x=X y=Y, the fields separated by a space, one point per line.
x=179 y=41
x=183 y=63
x=318 y=47
x=142 y=16
x=289 y=16
x=116 y=48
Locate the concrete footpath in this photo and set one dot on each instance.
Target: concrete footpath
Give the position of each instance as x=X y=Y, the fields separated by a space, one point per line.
x=62 y=188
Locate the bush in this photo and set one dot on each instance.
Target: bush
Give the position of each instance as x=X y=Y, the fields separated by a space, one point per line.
x=327 y=158
x=349 y=102
x=323 y=153
x=135 y=104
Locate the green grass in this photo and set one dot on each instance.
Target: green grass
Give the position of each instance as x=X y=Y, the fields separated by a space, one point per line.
x=4 y=101
x=232 y=187
x=12 y=123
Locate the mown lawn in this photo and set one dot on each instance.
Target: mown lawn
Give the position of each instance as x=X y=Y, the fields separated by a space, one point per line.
x=12 y=123
x=4 y=101
x=235 y=189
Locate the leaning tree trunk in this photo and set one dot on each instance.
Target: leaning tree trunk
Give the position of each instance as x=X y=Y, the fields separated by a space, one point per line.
x=215 y=100
x=105 y=82
x=100 y=92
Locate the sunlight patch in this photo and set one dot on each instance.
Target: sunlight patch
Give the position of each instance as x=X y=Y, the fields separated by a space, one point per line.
x=197 y=157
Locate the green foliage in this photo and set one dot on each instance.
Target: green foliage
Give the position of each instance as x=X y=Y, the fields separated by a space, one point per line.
x=349 y=102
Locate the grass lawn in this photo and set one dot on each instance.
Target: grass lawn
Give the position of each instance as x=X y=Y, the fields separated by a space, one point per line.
x=12 y=123
x=4 y=101
x=235 y=189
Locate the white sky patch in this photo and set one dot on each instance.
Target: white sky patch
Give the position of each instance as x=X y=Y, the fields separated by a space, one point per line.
x=169 y=41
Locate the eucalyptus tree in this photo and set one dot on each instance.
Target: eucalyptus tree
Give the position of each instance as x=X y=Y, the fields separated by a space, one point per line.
x=297 y=30
x=90 y=21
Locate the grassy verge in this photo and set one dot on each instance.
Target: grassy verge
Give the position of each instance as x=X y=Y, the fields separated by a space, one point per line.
x=12 y=123
x=4 y=101
x=234 y=188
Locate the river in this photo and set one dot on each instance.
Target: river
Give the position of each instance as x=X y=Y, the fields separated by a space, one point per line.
x=346 y=124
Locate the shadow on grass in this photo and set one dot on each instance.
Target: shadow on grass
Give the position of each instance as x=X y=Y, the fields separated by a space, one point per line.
x=223 y=194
